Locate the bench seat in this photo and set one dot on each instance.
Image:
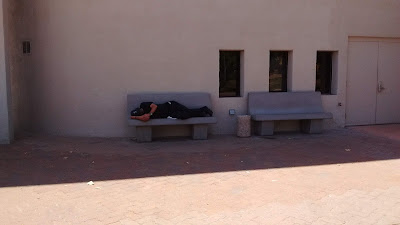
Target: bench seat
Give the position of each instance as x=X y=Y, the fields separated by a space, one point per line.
x=191 y=100
x=168 y=122
x=298 y=116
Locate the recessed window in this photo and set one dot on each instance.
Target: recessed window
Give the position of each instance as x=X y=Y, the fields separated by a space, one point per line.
x=229 y=73
x=278 y=70
x=324 y=72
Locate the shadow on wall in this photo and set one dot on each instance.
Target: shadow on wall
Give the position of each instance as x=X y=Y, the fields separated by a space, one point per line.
x=54 y=160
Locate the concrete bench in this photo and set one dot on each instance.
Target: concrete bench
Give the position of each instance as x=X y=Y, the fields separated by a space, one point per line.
x=267 y=107
x=190 y=100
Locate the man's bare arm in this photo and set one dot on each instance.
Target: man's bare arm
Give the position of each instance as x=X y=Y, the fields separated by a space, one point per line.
x=153 y=108
x=144 y=118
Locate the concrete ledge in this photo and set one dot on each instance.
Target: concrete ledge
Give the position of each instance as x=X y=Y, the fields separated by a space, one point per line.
x=167 y=122
x=294 y=116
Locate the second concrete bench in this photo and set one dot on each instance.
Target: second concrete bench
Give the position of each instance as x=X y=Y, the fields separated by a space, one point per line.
x=267 y=107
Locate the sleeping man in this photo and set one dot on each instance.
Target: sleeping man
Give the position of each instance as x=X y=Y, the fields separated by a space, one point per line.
x=171 y=109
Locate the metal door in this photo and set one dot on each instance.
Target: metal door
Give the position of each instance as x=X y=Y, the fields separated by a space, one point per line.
x=361 y=83
x=373 y=83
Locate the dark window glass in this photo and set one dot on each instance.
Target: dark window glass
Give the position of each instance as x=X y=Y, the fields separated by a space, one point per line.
x=278 y=66
x=324 y=72
x=229 y=74
x=26 y=47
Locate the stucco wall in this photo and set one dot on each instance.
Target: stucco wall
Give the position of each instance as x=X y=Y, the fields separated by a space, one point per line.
x=88 y=55
x=18 y=65
x=6 y=132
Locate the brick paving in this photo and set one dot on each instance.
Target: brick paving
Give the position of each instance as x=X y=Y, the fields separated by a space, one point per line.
x=345 y=176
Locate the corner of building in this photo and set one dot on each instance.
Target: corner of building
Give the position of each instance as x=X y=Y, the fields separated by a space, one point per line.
x=6 y=131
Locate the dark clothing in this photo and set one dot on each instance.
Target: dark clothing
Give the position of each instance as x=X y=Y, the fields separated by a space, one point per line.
x=161 y=112
x=175 y=110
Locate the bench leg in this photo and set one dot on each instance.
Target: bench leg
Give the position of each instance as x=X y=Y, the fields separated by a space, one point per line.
x=199 y=131
x=264 y=128
x=143 y=134
x=311 y=126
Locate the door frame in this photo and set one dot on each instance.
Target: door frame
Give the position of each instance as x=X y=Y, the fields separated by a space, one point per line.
x=365 y=39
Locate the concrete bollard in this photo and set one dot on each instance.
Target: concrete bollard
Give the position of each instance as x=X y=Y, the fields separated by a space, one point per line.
x=244 y=126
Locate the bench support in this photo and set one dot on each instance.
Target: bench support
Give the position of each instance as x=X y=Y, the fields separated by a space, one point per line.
x=264 y=128
x=143 y=134
x=311 y=126
x=199 y=131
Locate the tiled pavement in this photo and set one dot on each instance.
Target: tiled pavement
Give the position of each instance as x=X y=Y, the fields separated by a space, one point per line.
x=345 y=176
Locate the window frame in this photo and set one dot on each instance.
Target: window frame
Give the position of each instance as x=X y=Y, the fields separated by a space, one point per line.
x=239 y=73
x=285 y=72
x=326 y=81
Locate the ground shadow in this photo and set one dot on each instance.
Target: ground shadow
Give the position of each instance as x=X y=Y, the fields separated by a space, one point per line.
x=54 y=160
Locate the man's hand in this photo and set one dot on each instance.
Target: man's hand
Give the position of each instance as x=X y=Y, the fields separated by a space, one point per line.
x=144 y=118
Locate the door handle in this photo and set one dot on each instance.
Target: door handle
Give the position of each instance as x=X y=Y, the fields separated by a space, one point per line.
x=380 y=86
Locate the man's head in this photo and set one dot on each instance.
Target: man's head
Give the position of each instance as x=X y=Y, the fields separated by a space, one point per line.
x=137 y=112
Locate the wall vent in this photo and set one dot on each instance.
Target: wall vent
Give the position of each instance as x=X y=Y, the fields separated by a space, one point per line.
x=26 y=47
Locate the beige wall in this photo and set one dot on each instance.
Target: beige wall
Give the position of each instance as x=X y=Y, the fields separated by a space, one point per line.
x=87 y=55
x=18 y=65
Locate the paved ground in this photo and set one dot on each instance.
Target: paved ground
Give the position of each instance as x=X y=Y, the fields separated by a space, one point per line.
x=346 y=176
